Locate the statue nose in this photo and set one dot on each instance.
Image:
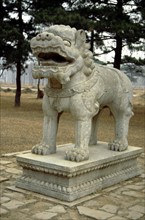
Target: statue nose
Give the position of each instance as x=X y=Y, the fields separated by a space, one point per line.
x=44 y=36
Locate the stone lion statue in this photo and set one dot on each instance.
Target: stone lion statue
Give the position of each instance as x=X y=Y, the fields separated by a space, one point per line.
x=77 y=85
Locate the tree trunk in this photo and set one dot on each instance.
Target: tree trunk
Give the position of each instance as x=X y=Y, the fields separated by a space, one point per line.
x=92 y=41
x=38 y=88
x=40 y=93
x=118 y=52
x=118 y=49
x=19 y=58
x=18 y=85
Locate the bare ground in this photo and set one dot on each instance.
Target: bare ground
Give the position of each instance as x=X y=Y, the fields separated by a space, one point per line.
x=21 y=128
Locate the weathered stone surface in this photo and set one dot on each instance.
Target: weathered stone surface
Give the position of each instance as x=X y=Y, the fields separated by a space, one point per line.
x=135 y=187
x=110 y=208
x=134 y=215
x=28 y=201
x=142 y=175
x=15 y=195
x=123 y=200
x=4 y=199
x=41 y=205
x=37 y=204
x=138 y=208
x=44 y=215
x=123 y=213
x=2 y=168
x=13 y=171
x=142 y=155
x=134 y=194
x=57 y=209
x=3 y=211
x=13 y=204
x=139 y=184
x=76 y=84
x=15 y=153
x=5 y=162
x=117 y=218
x=45 y=174
x=120 y=190
x=96 y=214
x=91 y=203
x=25 y=210
x=111 y=188
x=3 y=179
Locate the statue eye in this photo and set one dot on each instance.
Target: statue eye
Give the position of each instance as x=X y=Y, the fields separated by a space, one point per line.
x=67 y=43
x=38 y=37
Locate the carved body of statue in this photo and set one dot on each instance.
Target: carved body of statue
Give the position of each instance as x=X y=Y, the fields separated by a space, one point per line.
x=77 y=85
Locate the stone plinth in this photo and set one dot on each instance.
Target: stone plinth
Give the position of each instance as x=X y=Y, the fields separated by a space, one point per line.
x=65 y=180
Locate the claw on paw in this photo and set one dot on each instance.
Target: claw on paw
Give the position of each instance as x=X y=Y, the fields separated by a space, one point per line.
x=40 y=149
x=117 y=145
x=77 y=154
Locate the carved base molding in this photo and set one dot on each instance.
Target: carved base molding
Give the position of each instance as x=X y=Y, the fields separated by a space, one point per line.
x=53 y=176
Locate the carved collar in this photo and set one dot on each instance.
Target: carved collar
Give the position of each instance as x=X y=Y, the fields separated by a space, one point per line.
x=81 y=87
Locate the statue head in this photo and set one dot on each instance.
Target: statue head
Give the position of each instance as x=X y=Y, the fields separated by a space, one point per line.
x=61 y=51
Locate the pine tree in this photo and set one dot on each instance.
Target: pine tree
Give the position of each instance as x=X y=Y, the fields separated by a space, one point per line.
x=140 y=44
x=48 y=12
x=120 y=21
x=14 y=45
x=116 y=20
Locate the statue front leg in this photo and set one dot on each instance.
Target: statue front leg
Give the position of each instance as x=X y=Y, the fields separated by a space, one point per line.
x=48 y=143
x=82 y=135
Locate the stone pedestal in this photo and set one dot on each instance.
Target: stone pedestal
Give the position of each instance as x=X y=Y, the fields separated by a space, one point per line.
x=65 y=180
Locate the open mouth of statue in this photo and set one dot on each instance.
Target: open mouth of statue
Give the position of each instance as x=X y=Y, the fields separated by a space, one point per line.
x=53 y=59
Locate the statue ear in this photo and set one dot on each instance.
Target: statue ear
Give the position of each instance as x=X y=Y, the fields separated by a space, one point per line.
x=80 y=37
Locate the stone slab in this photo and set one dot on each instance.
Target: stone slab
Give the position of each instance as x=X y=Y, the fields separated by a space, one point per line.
x=15 y=153
x=3 y=179
x=5 y=162
x=13 y=171
x=110 y=208
x=3 y=211
x=54 y=200
x=138 y=208
x=44 y=215
x=53 y=176
x=13 y=204
x=95 y=214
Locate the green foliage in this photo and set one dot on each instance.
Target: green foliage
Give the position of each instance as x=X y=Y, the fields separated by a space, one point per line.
x=13 y=29
x=47 y=12
x=138 y=62
x=123 y=21
x=14 y=46
x=95 y=16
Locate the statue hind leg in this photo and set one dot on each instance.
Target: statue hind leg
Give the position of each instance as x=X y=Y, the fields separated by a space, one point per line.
x=94 y=128
x=122 y=116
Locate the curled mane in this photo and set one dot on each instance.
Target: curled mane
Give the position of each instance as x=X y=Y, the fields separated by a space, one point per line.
x=88 y=60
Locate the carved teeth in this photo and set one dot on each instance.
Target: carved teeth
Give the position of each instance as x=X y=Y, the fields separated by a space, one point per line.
x=37 y=50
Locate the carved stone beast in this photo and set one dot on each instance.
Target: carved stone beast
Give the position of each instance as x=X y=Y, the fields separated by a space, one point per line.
x=77 y=85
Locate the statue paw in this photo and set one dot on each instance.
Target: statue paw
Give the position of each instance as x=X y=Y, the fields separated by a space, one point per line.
x=41 y=149
x=117 y=145
x=77 y=154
